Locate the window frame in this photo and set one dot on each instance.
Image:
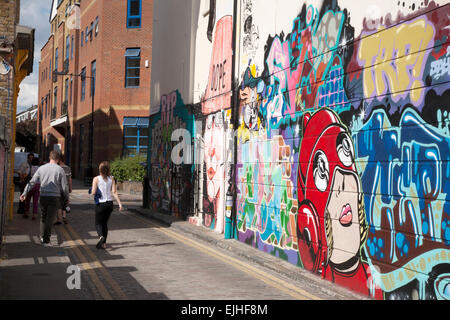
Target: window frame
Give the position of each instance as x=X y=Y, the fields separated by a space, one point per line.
x=139 y=125
x=67 y=47
x=93 y=77
x=129 y=57
x=83 y=84
x=131 y=17
x=56 y=59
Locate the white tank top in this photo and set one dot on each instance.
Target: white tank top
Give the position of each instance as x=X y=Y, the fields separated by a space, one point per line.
x=105 y=188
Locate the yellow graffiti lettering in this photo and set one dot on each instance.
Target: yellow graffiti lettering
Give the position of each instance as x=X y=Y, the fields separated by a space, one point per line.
x=394 y=58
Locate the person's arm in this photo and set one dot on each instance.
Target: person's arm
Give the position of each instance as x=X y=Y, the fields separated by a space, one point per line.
x=115 y=194
x=64 y=185
x=36 y=179
x=94 y=186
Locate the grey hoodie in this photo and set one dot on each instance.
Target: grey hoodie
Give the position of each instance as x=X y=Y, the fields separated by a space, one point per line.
x=52 y=179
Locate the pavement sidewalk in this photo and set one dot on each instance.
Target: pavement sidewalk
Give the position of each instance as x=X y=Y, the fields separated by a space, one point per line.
x=36 y=267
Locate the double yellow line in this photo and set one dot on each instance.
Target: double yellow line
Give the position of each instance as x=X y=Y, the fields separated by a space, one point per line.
x=275 y=282
x=75 y=243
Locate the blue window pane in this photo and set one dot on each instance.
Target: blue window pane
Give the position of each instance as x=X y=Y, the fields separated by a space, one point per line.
x=130 y=121
x=132 y=67
x=143 y=121
x=134 y=13
x=133 y=52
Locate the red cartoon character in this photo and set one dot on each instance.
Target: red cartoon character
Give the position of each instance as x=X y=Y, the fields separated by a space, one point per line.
x=331 y=221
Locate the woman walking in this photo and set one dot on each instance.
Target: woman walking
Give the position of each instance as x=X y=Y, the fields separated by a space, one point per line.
x=107 y=186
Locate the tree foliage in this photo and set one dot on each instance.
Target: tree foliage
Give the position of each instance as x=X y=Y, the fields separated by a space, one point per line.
x=128 y=169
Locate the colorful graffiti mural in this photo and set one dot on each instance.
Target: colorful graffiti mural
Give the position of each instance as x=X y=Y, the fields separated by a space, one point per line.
x=217 y=127
x=343 y=148
x=335 y=140
x=167 y=179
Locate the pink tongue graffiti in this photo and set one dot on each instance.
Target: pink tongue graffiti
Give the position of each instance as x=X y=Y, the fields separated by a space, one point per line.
x=346 y=215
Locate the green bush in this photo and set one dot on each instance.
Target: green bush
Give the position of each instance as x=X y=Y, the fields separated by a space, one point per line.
x=128 y=169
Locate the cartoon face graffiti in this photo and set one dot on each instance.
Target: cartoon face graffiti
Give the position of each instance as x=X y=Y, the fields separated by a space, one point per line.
x=251 y=116
x=214 y=153
x=331 y=224
x=248 y=96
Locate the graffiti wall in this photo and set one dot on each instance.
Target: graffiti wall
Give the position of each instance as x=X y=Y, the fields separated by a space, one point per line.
x=213 y=117
x=343 y=144
x=169 y=179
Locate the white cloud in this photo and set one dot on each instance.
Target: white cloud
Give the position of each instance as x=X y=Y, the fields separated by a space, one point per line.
x=34 y=14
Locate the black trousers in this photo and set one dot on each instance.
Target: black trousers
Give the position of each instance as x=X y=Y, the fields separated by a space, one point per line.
x=102 y=213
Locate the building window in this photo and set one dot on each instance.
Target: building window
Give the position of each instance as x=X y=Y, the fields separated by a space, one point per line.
x=66 y=97
x=132 y=67
x=66 y=90
x=67 y=47
x=55 y=103
x=83 y=83
x=86 y=34
x=93 y=73
x=96 y=26
x=71 y=88
x=82 y=38
x=56 y=59
x=134 y=14
x=135 y=136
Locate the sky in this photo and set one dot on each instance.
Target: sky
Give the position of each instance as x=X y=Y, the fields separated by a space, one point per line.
x=34 y=14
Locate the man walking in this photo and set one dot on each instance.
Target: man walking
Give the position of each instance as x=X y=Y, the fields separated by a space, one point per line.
x=53 y=186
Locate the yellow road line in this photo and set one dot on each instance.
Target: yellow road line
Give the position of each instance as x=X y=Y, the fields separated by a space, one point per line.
x=254 y=272
x=101 y=288
x=102 y=269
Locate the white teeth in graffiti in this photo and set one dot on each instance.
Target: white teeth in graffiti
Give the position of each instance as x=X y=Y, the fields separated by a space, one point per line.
x=346 y=215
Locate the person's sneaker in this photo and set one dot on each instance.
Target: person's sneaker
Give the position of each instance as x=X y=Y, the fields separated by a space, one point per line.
x=47 y=244
x=100 y=243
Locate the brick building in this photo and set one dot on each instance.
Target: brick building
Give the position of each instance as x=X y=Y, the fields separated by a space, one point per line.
x=95 y=73
x=16 y=62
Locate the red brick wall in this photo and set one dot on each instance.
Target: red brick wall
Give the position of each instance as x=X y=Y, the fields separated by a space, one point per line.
x=112 y=100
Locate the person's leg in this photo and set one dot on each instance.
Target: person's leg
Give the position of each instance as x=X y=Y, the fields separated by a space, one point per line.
x=35 y=202
x=106 y=214
x=27 y=203
x=44 y=207
x=48 y=218
x=98 y=219
x=59 y=212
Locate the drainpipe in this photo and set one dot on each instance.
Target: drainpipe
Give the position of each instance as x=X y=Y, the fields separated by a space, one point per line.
x=230 y=222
